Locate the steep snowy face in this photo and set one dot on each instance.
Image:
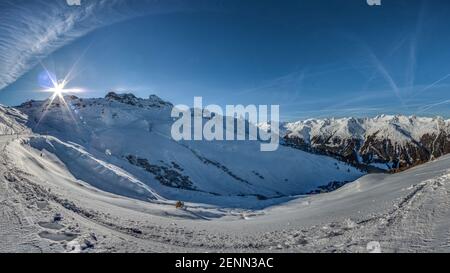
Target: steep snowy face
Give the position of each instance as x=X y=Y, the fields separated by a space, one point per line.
x=133 y=134
x=129 y=98
x=387 y=142
x=12 y=121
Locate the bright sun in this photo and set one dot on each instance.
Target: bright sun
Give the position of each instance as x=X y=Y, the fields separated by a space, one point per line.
x=58 y=87
x=58 y=90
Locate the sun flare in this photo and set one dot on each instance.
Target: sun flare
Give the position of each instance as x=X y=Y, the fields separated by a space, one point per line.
x=59 y=90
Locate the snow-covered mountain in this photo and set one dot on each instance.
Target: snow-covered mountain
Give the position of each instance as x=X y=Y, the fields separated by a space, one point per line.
x=67 y=189
x=122 y=144
x=386 y=142
x=12 y=121
x=45 y=208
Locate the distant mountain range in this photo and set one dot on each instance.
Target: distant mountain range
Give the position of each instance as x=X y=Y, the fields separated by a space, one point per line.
x=386 y=142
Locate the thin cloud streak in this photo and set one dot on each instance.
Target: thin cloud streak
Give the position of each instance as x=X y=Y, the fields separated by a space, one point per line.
x=32 y=30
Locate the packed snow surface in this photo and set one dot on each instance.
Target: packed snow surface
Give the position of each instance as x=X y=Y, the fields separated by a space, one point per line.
x=45 y=208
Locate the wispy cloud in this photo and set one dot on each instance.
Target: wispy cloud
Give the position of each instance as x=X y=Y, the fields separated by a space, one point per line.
x=31 y=30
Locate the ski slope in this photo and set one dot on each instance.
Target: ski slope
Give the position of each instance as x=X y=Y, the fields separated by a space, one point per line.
x=404 y=212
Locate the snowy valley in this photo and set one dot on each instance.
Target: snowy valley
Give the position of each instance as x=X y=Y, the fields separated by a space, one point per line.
x=104 y=175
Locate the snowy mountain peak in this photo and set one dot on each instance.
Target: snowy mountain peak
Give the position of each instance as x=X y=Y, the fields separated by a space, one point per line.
x=131 y=99
x=393 y=125
x=397 y=140
x=127 y=98
x=129 y=139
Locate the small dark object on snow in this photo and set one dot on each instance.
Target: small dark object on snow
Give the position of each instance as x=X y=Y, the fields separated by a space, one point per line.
x=179 y=205
x=87 y=244
x=58 y=217
x=136 y=231
x=93 y=236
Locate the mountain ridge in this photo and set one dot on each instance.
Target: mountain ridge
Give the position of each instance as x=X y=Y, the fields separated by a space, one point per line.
x=383 y=142
x=390 y=142
x=134 y=135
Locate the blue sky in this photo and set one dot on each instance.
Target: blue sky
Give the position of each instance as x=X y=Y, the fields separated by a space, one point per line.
x=313 y=58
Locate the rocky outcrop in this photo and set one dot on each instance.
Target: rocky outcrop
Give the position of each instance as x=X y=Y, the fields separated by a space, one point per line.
x=167 y=176
x=130 y=99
